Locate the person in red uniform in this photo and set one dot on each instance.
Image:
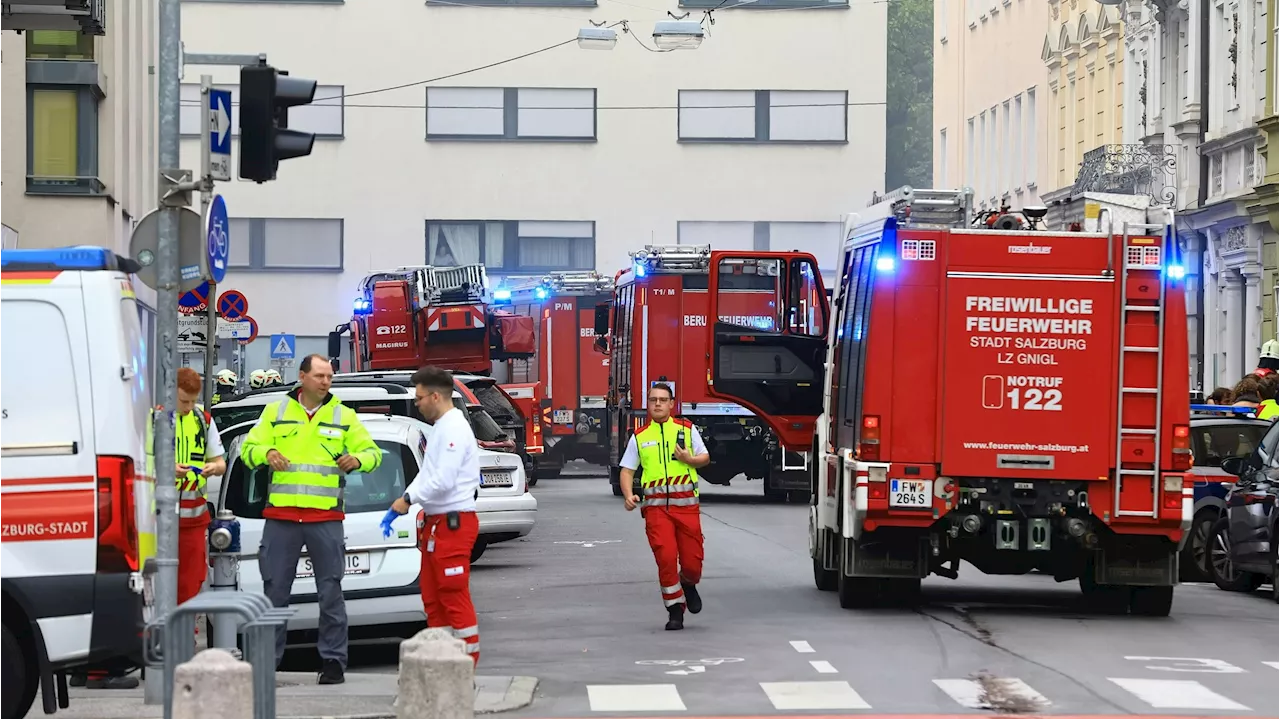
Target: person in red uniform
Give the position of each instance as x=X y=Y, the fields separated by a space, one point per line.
x=446 y=488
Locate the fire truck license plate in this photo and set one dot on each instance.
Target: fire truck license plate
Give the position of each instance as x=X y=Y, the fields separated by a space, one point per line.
x=563 y=416
x=496 y=479
x=357 y=563
x=909 y=493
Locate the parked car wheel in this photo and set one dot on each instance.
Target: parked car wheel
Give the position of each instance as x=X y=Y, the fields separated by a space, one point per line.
x=1195 y=556
x=477 y=551
x=1223 y=570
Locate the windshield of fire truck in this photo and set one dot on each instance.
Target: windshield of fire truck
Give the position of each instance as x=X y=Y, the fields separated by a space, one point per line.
x=749 y=293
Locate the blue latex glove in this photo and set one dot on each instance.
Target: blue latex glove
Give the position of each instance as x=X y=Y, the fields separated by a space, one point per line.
x=387 y=519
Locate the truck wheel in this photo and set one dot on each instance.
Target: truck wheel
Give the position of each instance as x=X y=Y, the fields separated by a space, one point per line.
x=1151 y=601
x=1221 y=568
x=1103 y=598
x=20 y=678
x=825 y=579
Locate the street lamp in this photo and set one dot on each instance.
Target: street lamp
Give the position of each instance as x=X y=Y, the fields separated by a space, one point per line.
x=597 y=38
x=678 y=34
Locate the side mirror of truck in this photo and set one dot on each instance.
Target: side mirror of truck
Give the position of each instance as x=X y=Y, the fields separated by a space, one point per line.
x=335 y=346
x=602 y=319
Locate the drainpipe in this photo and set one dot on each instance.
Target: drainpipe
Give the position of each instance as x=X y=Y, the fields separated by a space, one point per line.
x=1202 y=191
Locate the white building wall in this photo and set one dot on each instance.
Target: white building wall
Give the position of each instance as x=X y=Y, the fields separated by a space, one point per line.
x=635 y=183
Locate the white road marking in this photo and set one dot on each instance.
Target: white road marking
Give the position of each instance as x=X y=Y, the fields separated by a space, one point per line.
x=823 y=667
x=634 y=698
x=1190 y=664
x=972 y=694
x=1273 y=665
x=802 y=647
x=813 y=695
x=1176 y=694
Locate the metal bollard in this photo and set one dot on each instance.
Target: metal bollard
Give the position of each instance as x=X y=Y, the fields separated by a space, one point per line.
x=224 y=551
x=261 y=621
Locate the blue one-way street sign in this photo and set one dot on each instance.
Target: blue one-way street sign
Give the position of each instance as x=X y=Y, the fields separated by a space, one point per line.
x=220 y=134
x=283 y=346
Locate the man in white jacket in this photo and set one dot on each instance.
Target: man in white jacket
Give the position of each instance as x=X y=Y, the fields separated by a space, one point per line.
x=446 y=488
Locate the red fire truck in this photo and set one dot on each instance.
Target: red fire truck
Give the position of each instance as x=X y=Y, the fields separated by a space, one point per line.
x=657 y=323
x=574 y=378
x=989 y=392
x=414 y=316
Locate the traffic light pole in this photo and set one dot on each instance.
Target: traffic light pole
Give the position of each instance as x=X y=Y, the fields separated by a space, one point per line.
x=173 y=197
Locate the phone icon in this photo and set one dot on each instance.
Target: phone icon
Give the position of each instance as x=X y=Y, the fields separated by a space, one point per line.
x=992 y=391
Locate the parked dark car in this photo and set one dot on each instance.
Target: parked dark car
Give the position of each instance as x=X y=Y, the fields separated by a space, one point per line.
x=1243 y=554
x=1216 y=434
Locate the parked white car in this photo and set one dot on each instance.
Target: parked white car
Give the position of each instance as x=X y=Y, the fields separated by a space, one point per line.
x=381 y=585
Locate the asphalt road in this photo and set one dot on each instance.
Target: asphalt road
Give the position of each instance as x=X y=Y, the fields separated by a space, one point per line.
x=577 y=604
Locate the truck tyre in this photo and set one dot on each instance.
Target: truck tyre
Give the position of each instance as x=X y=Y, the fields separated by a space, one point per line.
x=1222 y=569
x=1103 y=598
x=21 y=680
x=825 y=579
x=1151 y=601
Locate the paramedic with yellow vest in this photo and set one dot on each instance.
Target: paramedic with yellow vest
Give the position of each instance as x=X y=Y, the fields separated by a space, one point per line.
x=669 y=450
x=311 y=441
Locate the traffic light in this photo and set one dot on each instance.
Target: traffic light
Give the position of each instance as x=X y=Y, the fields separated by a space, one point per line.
x=266 y=94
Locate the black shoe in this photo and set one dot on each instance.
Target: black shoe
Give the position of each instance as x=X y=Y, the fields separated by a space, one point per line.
x=675 y=617
x=691 y=597
x=331 y=673
x=125 y=682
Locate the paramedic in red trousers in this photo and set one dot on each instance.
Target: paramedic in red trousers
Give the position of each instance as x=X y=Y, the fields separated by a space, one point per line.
x=670 y=450
x=446 y=488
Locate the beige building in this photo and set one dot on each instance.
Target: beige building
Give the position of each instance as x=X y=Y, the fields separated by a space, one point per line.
x=989 y=104
x=79 y=131
x=1083 y=52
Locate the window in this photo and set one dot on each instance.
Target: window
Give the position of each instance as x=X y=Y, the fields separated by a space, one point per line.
x=325 y=116
x=62 y=140
x=941 y=180
x=512 y=247
x=763 y=116
x=856 y=303
x=1030 y=135
x=750 y=292
x=821 y=239
x=286 y=244
x=805 y=315
x=247 y=489
x=1216 y=442
x=496 y=113
x=59 y=45
x=40 y=412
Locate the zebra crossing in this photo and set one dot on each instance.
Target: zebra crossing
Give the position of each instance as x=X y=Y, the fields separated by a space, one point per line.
x=984 y=693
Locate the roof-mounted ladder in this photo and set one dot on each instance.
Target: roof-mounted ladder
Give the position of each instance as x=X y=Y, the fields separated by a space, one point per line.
x=671 y=259
x=911 y=206
x=1138 y=413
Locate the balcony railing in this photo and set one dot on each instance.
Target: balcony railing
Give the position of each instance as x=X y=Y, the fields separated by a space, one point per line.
x=48 y=185
x=1137 y=169
x=86 y=16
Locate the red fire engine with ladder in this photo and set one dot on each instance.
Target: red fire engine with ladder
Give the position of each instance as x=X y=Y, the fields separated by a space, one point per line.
x=574 y=377
x=414 y=316
x=656 y=326
x=1014 y=398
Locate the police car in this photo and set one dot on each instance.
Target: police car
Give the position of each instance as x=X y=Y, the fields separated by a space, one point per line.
x=76 y=509
x=381 y=584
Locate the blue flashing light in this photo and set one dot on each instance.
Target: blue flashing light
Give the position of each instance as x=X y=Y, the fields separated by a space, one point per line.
x=502 y=295
x=640 y=269
x=540 y=293
x=1175 y=272
x=1223 y=409
x=82 y=257
x=363 y=306
x=884 y=263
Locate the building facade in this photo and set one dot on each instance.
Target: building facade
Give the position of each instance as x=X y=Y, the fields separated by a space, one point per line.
x=1083 y=52
x=1222 y=218
x=565 y=159
x=989 y=107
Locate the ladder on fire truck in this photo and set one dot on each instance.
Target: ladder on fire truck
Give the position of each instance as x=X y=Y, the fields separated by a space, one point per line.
x=912 y=206
x=585 y=282
x=671 y=259
x=433 y=285
x=1145 y=258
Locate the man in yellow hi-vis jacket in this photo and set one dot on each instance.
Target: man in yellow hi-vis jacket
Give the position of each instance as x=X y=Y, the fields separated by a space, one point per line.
x=310 y=440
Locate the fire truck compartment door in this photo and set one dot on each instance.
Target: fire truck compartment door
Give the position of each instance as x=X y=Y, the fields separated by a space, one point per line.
x=1029 y=370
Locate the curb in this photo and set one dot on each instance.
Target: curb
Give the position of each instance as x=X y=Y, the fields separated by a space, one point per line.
x=523 y=689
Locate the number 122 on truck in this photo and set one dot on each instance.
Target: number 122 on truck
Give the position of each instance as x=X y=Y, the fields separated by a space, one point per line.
x=1011 y=397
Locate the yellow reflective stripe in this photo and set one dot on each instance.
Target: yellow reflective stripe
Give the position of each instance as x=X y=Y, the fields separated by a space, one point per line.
x=310 y=490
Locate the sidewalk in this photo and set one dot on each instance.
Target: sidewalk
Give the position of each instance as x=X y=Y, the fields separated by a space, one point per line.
x=363 y=696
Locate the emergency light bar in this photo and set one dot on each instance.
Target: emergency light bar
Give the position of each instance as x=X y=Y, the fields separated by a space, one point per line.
x=1223 y=409
x=671 y=258
x=585 y=282
x=80 y=257
x=914 y=207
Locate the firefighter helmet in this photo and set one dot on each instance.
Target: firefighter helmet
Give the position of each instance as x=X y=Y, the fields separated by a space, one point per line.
x=258 y=379
x=226 y=378
x=274 y=378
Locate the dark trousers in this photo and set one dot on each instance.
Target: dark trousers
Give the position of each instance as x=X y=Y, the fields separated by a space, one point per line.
x=278 y=557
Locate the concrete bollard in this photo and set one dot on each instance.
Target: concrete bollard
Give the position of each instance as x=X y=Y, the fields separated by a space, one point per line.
x=437 y=680
x=213 y=685
x=424 y=636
